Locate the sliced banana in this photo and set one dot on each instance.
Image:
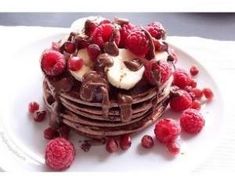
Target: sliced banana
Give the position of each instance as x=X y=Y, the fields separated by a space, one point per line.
x=119 y=75
x=85 y=68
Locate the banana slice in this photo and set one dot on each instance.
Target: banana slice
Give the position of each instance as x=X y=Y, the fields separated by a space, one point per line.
x=85 y=68
x=119 y=75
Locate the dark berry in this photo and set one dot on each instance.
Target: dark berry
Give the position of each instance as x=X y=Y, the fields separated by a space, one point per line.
x=147 y=141
x=50 y=133
x=33 y=107
x=111 y=145
x=39 y=116
x=93 y=51
x=75 y=63
x=125 y=142
x=69 y=47
x=207 y=92
x=90 y=27
x=64 y=131
x=194 y=70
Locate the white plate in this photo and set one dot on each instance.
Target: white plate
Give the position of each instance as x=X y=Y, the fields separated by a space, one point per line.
x=22 y=143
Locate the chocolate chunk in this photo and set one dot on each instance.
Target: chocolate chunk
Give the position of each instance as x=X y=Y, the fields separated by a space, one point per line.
x=133 y=65
x=111 y=48
x=105 y=59
x=82 y=41
x=121 y=21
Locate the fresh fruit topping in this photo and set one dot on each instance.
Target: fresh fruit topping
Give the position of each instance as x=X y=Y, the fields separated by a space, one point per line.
x=125 y=142
x=69 y=47
x=194 y=70
x=193 y=83
x=52 y=63
x=147 y=141
x=111 y=145
x=75 y=63
x=90 y=26
x=50 y=133
x=39 y=116
x=59 y=154
x=103 y=33
x=191 y=121
x=156 y=30
x=197 y=92
x=33 y=107
x=157 y=72
x=173 y=148
x=167 y=130
x=180 y=100
x=137 y=43
x=208 y=93
x=64 y=131
x=93 y=51
x=196 y=105
x=124 y=32
x=181 y=79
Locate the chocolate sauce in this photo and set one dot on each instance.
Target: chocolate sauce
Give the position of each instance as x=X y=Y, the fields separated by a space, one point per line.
x=151 y=53
x=125 y=105
x=133 y=65
x=111 y=48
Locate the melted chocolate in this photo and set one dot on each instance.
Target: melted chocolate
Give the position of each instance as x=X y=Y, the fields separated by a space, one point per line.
x=133 y=65
x=125 y=104
x=111 y=48
x=151 y=53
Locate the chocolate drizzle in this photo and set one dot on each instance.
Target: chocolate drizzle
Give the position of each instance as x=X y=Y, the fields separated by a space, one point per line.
x=111 y=48
x=151 y=53
x=125 y=105
x=134 y=65
x=93 y=83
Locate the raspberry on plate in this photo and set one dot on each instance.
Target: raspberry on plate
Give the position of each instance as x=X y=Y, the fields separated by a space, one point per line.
x=147 y=141
x=112 y=145
x=33 y=107
x=180 y=101
x=194 y=70
x=181 y=79
x=173 y=148
x=124 y=32
x=53 y=62
x=157 y=71
x=191 y=121
x=59 y=154
x=125 y=142
x=196 y=105
x=137 y=43
x=208 y=93
x=156 y=30
x=167 y=130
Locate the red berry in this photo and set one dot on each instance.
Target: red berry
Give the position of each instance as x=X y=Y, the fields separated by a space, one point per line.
x=197 y=92
x=208 y=93
x=196 y=105
x=103 y=33
x=191 y=121
x=125 y=142
x=147 y=141
x=124 y=32
x=180 y=101
x=157 y=71
x=75 y=63
x=173 y=148
x=55 y=46
x=156 y=30
x=64 y=131
x=93 y=51
x=167 y=130
x=137 y=43
x=39 y=116
x=181 y=79
x=33 y=107
x=194 y=70
x=90 y=26
x=105 y=21
x=59 y=154
x=69 y=47
x=52 y=62
x=193 y=83
x=112 y=145
x=50 y=133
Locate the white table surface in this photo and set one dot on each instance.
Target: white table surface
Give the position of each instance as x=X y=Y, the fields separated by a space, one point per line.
x=217 y=56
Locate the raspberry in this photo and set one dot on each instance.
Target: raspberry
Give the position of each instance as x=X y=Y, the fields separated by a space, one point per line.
x=147 y=141
x=181 y=79
x=39 y=116
x=33 y=107
x=55 y=46
x=208 y=93
x=93 y=51
x=69 y=47
x=124 y=32
x=191 y=121
x=196 y=105
x=194 y=70
x=103 y=34
x=90 y=26
x=157 y=71
x=50 y=133
x=167 y=130
x=75 y=63
x=156 y=30
x=59 y=154
x=173 y=148
x=197 y=92
x=137 y=43
x=52 y=62
x=125 y=142
x=193 y=83
x=112 y=145
x=180 y=101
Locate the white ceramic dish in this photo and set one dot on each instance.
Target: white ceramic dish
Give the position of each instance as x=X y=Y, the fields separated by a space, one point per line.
x=22 y=143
